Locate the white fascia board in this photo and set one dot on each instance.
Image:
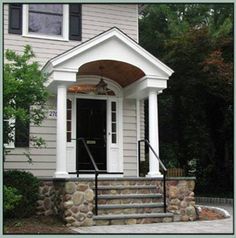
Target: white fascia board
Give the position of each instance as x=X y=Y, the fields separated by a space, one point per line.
x=136 y=47
x=81 y=48
x=64 y=76
x=140 y=88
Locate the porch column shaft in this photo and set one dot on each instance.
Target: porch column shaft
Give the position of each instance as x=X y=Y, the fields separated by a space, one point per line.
x=61 y=132
x=153 y=135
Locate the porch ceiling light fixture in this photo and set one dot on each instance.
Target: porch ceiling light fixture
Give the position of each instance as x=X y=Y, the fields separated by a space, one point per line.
x=101 y=87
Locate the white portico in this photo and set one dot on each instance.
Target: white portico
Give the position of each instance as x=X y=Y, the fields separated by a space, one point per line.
x=129 y=72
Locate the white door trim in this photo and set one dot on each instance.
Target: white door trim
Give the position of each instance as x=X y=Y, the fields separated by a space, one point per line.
x=114 y=163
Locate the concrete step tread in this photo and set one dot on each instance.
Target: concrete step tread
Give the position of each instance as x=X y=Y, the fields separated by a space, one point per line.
x=109 y=187
x=131 y=216
x=134 y=205
x=121 y=196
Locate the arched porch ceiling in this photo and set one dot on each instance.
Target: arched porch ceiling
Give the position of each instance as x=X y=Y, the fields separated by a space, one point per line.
x=120 y=72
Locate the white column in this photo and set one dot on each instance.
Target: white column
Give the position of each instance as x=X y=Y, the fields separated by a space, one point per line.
x=61 y=171
x=153 y=135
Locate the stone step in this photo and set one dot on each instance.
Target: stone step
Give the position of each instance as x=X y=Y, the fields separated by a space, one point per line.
x=128 y=219
x=137 y=189
x=129 y=198
x=130 y=208
x=129 y=181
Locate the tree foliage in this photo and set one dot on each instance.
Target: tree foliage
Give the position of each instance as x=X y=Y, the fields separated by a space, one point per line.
x=24 y=92
x=196 y=110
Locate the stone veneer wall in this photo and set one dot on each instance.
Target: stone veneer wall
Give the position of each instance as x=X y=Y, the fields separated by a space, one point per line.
x=73 y=199
x=180 y=199
x=70 y=200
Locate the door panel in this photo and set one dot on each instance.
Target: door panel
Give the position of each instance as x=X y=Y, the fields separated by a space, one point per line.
x=91 y=125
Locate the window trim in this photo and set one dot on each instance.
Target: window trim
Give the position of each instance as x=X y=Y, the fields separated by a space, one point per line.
x=10 y=145
x=65 y=25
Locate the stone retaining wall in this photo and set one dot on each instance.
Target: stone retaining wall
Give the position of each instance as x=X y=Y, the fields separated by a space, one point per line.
x=70 y=200
x=73 y=199
x=180 y=199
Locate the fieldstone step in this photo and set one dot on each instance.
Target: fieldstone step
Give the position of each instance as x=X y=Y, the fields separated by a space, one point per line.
x=125 y=196
x=129 y=198
x=130 y=208
x=128 y=219
x=128 y=181
x=138 y=189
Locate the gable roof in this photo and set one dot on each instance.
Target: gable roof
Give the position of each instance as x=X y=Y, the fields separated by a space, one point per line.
x=112 y=33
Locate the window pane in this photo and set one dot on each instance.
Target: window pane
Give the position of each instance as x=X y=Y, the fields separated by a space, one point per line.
x=5 y=131
x=113 y=117
x=113 y=106
x=68 y=125
x=51 y=8
x=113 y=140
x=113 y=127
x=45 y=24
x=68 y=136
x=68 y=103
x=68 y=114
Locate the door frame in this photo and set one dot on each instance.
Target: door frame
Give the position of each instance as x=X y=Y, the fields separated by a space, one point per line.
x=114 y=163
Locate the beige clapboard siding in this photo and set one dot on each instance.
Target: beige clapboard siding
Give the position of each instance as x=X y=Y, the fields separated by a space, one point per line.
x=96 y=18
x=42 y=173
x=36 y=158
x=130 y=138
x=44 y=159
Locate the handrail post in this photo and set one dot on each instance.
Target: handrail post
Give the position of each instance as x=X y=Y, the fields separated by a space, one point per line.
x=162 y=165
x=164 y=190
x=77 y=164
x=139 y=155
x=96 y=192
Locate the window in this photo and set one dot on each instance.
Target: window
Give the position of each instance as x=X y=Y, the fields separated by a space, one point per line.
x=21 y=134
x=47 y=21
x=69 y=120
x=113 y=123
x=17 y=131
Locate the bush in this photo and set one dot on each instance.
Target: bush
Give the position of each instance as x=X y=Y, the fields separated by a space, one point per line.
x=27 y=186
x=12 y=198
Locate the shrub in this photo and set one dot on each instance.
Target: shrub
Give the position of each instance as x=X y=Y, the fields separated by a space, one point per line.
x=11 y=199
x=28 y=187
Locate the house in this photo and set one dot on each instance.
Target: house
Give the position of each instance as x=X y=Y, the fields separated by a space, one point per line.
x=99 y=76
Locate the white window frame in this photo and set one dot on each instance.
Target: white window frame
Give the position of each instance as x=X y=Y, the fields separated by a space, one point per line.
x=10 y=145
x=65 y=25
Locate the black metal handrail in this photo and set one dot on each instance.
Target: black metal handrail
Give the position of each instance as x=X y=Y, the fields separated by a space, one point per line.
x=159 y=160
x=96 y=170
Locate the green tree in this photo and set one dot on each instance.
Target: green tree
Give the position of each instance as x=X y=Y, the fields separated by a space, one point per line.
x=24 y=94
x=196 y=116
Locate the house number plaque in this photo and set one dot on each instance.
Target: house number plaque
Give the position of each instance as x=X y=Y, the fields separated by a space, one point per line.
x=52 y=114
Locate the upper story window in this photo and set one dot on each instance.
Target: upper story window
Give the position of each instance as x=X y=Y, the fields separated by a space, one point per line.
x=45 y=19
x=48 y=21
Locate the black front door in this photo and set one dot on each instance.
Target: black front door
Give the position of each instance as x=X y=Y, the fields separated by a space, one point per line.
x=91 y=125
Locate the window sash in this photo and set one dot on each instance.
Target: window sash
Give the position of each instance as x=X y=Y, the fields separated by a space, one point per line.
x=65 y=23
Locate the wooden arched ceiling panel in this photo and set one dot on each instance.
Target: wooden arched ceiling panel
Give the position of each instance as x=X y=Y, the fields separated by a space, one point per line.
x=121 y=72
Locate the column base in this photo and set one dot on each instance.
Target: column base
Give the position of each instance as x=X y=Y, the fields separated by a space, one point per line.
x=61 y=175
x=154 y=175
